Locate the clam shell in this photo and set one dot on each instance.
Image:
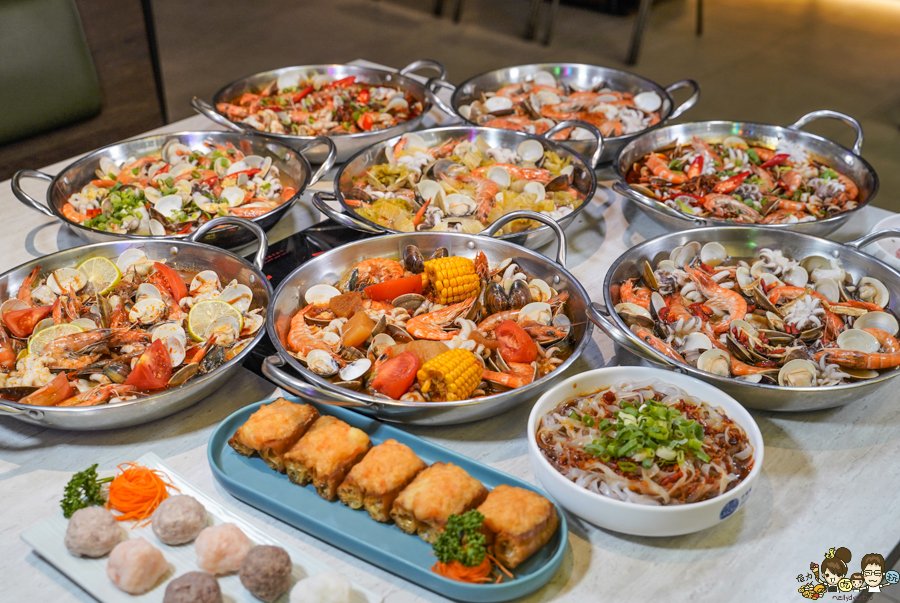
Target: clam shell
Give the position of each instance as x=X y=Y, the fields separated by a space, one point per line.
x=544 y=78
x=797 y=373
x=320 y=294
x=830 y=289
x=497 y=104
x=429 y=189
x=291 y=79
x=64 y=280
x=128 y=258
x=859 y=340
x=735 y=141
x=715 y=361
x=696 y=341
x=536 y=188
x=238 y=295
x=648 y=101
x=713 y=254
x=414 y=141
x=686 y=254
x=877 y=320
x=796 y=276
x=409 y=301
x=322 y=363
x=873 y=290
x=356 y=369
x=634 y=314
x=529 y=150
x=147 y=290
x=168 y=205
x=500 y=176
x=537 y=311
x=232 y=195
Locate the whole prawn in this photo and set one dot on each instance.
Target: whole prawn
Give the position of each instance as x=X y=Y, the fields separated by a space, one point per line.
x=660 y=168
x=98 y=395
x=485 y=191
x=628 y=293
x=300 y=338
x=369 y=272
x=71 y=352
x=431 y=326
x=888 y=358
x=719 y=298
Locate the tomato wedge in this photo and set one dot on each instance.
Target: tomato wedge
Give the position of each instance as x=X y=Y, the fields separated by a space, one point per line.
x=365 y=121
x=390 y=290
x=516 y=345
x=51 y=394
x=174 y=282
x=153 y=369
x=21 y=322
x=396 y=375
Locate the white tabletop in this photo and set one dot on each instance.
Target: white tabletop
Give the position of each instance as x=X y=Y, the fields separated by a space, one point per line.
x=827 y=479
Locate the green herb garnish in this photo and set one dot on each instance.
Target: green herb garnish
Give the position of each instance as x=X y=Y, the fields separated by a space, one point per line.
x=83 y=490
x=462 y=540
x=828 y=174
x=754 y=157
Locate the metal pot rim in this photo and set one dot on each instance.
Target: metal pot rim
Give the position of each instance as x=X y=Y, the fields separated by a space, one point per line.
x=555 y=146
x=372 y=400
x=635 y=251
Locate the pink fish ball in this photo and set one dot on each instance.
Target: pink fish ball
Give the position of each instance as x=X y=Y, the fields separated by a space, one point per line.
x=221 y=549
x=136 y=566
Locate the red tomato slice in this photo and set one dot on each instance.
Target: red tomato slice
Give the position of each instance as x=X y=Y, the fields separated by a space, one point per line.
x=153 y=369
x=516 y=345
x=173 y=280
x=51 y=394
x=390 y=290
x=396 y=375
x=21 y=322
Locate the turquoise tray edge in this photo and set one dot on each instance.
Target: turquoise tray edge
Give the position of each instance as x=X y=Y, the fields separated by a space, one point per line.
x=383 y=545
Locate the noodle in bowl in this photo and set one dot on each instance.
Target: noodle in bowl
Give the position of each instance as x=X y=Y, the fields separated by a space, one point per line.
x=688 y=481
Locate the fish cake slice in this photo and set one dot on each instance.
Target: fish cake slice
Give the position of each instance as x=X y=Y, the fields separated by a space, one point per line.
x=517 y=522
x=325 y=454
x=435 y=494
x=272 y=430
x=376 y=481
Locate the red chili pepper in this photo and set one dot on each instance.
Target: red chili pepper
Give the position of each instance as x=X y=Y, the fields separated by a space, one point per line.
x=299 y=96
x=726 y=186
x=696 y=167
x=663 y=313
x=92 y=213
x=210 y=181
x=250 y=173
x=776 y=160
x=344 y=82
x=365 y=121
x=186 y=229
x=363 y=97
x=163 y=170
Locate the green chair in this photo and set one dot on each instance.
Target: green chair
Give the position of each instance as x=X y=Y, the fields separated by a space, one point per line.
x=47 y=77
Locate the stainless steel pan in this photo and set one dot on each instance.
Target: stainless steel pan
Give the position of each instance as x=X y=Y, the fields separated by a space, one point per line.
x=185 y=255
x=373 y=155
x=846 y=161
x=583 y=77
x=348 y=144
x=328 y=268
x=292 y=163
x=745 y=242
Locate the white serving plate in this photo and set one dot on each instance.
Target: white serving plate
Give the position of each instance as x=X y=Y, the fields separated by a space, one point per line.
x=631 y=518
x=47 y=539
x=886 y=249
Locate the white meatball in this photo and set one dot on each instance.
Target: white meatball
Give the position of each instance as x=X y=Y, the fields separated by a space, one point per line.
x=221 y=549
x=136 y=566
x=92 y=532
x=178 y=519
x=327 y=587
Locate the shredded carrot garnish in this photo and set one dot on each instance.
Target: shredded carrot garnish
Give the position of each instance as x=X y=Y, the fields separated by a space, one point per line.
x=455 y=570
x=137 y=491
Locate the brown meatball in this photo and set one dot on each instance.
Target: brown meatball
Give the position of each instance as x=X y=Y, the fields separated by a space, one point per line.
x=193 y=587
x=266 y=572
x=178 y=519
x=92 y=532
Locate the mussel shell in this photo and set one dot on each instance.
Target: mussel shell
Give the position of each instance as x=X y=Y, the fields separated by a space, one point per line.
x=519 y=295
x=409 y=301
x=581 y=180
x=186 y=372
x=776 y=337
x=495 y=298
x=649 y=277
x=560 y=183
x=440 y=252
x=213 y=359
x=495 y=362
x=761 y=301
x=14 y=394
x=117 y=372
x=354 y=385
x=413 y=260
x=399 y=334
x=811 y=335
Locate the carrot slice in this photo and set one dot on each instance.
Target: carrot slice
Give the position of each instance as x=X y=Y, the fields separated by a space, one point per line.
x=137 y=491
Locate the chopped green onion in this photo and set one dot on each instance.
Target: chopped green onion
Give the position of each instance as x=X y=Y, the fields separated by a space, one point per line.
x=587 y=420
x=625 y=466
x=753 y=156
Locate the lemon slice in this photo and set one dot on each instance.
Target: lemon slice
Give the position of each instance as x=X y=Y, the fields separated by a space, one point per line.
x=39 y=341
x=102 y=274
x=205 y=312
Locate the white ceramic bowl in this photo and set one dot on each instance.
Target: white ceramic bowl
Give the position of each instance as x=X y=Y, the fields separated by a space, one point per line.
x=631 y=518
x=886 y=249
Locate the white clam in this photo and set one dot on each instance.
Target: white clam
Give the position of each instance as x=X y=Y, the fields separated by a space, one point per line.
x=715 y=361
x=232 y=195
x=11 y=305
x=321 y=79
x=66 y=280
x=666 y=266
x=627 y=310
x=147 y=310
x=878 y=320
x=322 y=363
x=500 y=176
x=290 y=79
x=226 y=330
x=457 y=204
x=498 y=103
x=173 y=151
x=872 y=290
x=252 y=324
x=736 y=142
x=152 y=194
x=544 y=78
x=797 y=373
x=238 y=166
x=770 y=280
x=797 y=276
x=254 y=161
x=540 y=290
x=537 y=189
x=147 y=290
x=829 y=288
x=108 y=167
x=743 y=325
x=465 y=111
x=320 y=294
x=355 y=369
x=758 y=268
x=43 y=295
x=167 y=330
x=546 y=97
x=743 y=277
x=130 y=257
x=648 y=101
x=205 y=281
x=413 y=141
x=180 y=169
x=859 y=340
x=168 y=205
x=697 y=341
x=537 y=311
x=530 y=150
x=686 y=254
x=156 y=228
x=238 y=295
x=713 y=254
x=429 y=189
x=397 y=102
x=176 y=349
x=221 y=165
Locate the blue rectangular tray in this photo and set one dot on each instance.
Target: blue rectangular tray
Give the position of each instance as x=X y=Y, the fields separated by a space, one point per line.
x=384 y=545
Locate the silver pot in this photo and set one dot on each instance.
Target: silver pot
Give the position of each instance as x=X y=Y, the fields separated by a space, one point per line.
x=185 y=255
x=348 y=144
x=745 y=242
x=328 y=268
x=373 y=155
x=583 y=76
x=846 y=161
x=292 y=163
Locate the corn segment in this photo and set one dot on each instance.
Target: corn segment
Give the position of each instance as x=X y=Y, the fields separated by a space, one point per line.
x=453 y=279
x=451 y=376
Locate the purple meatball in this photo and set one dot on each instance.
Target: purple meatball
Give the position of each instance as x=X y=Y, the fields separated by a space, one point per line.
x=178 y=519
x=266 y=572
x=92 y=532
x=193 y=587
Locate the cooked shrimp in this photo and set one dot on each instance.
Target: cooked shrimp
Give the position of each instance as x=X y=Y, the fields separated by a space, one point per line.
x=26 y=287
x=98 y=395
x=726 y=301
x=520 y=374
x=300 y=338
x=369 y=272
x=72 y=352
x=657 y=343
x=485 y=191
x=630 y=294
x=431 y=326
x=516 y=172
x=726 y=206
x=660 y=168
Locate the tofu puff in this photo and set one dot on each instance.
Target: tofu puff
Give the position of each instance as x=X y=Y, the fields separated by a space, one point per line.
x=517 y=522
x=326 y=454
x=436 y=493
x=377 y=480
x=272 y=430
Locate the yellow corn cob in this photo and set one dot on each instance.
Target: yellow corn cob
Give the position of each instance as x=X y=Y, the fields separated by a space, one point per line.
x=451 y=376
x=453 y=279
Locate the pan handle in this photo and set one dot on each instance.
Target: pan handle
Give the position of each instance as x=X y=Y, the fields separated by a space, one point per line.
x=829 y=114
x=31 y=413
x=574 y=123
x=260 y=257
x=207 y=110
x=329 y=160
x=599 y=315
x=319 y=201
x=870 y=238
x=626 y=191
x=437 y=82
x=271 y=368
x=424 y=64
x=522 y=214
x=24 y=197
x=690 y=102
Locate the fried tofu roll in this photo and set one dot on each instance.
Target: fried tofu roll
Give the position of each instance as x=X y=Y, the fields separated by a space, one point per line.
x=517 y=523
x=325 y=454
x=376 y=481
x=433 y=496
x=272 y=430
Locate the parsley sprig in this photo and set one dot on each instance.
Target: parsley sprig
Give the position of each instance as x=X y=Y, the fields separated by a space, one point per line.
x=83 y=490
